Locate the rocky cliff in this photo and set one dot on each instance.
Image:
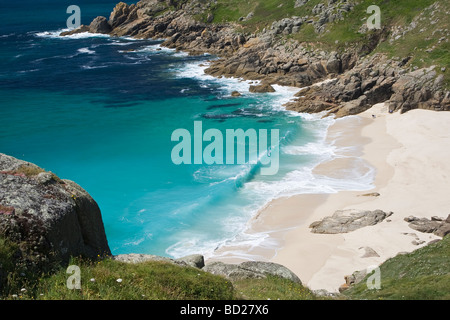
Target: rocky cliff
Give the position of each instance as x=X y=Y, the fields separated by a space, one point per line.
x=48 y=218
x=283 y=52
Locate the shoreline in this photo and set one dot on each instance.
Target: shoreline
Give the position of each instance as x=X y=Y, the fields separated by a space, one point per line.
x=408 y=185
x=326 y=259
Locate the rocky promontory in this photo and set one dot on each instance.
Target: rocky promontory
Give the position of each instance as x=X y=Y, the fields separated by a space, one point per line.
x=358 y=79
x=50 y=219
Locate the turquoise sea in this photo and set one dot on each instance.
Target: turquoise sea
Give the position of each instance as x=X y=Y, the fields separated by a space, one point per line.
x=101 y=111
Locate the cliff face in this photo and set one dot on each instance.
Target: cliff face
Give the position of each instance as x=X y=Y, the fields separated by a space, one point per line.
x=48 y=218
x=298 y=44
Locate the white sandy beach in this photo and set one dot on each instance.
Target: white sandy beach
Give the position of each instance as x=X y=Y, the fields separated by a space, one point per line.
x=410 y=153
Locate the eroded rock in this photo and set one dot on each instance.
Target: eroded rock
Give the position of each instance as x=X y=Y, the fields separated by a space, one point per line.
x=52 y=219
x=436 y=225
x=250 y=269
x=343 y=221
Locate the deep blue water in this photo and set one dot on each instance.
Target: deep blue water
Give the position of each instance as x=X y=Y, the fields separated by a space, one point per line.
x=101 y=111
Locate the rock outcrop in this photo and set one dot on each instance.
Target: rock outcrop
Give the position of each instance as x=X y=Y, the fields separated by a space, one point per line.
x=350 y=280
x=195 y=260
x=375 y=80
x=100 y=25
x=343 y=221
x=244 y=270
x=262 y=88
x=436 y=225
x=49 y=218
x=250 y=269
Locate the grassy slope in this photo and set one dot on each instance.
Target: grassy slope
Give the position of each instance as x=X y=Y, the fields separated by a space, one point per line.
x=149 y=280
x=420 y=275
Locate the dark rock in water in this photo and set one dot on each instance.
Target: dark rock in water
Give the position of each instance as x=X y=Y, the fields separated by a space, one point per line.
x=218 y=116
x=121 y=105
x=247 y=112
x=52 y=219
x=235 y=94
x=100 y=25
x=343 y=221
x=83 y=28
x=262 y=88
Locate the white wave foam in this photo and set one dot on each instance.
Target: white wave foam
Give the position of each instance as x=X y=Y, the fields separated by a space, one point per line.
x=7 y=35
x=27 y=71
x=311 y=148
x=86 y=50
x=157 y=48
x=118 y=43
x=56 y=35
x=283 y=95
x=87 y=67
x=196 y=70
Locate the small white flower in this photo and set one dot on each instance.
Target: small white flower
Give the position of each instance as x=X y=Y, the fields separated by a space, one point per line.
x=92 y=280
x=14 y=295
x=119 y=280
x=23 y=290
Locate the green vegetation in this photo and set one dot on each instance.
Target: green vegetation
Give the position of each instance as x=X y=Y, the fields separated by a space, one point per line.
x=264 y=12
x=420 y=275
x=108 y=279
x=272 y=288
x=113 y=280
x=27 y=170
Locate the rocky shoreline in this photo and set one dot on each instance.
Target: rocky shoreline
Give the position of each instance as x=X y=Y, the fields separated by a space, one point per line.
x=358 y=79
